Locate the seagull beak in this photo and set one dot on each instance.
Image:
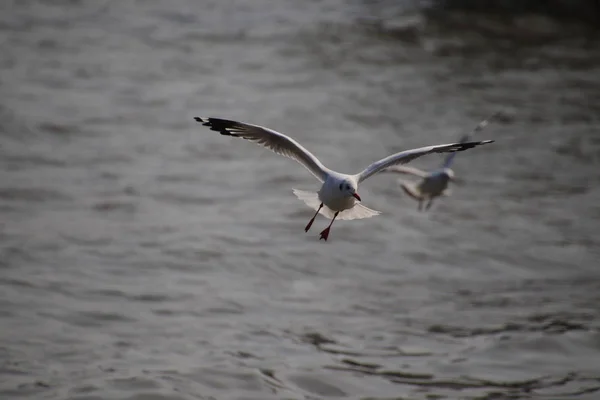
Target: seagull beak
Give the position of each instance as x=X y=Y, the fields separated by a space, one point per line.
x=357 y=196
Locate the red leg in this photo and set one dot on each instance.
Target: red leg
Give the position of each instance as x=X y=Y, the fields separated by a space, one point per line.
x=325 y=233
x=313 y=219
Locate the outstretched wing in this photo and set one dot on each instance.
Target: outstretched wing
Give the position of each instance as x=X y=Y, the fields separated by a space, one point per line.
x=272 y=140
x=465 y=138
x=406 y=156
x=401 y=169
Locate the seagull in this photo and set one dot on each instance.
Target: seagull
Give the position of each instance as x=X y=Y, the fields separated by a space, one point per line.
x=434 y=184
x=338 y=196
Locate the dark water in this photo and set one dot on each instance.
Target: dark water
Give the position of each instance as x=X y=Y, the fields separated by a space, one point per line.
x=145 y=257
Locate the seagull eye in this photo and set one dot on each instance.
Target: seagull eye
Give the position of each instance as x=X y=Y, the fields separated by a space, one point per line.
x=347 y=187
x=341 y=186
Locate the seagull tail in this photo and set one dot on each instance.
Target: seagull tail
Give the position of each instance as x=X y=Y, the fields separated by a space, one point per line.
x=311 y=199
x=358 y=212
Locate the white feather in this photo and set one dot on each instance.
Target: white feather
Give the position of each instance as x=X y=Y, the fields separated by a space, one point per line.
x=311 y=199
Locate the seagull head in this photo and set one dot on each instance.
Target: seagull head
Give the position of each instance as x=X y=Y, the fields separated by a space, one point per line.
x=449 y=173
x=349 y=188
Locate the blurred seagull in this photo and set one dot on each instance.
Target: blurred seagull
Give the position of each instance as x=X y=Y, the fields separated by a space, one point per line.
x=338 y=196
x=434 y=184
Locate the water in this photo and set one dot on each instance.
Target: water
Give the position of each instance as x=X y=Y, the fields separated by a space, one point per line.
x=143 y=256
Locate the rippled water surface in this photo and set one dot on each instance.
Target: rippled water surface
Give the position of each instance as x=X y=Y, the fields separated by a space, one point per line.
x=143 y=256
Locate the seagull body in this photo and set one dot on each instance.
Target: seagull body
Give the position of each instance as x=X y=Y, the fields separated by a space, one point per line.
x=333 y=197
x=337 y=197
x=434 y=184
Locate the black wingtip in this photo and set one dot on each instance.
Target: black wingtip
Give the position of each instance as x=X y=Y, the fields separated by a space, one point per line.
x=205 y=121
x=216 y=124
x=470 y=145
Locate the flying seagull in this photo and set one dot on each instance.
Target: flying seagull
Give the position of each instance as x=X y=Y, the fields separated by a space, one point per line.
x=435 y=183
x=338 y=196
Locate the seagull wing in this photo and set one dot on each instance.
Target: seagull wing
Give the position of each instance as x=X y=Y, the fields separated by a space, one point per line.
x=465 y=138
x=272 y=140
x=406 y=156
x=401 y=169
